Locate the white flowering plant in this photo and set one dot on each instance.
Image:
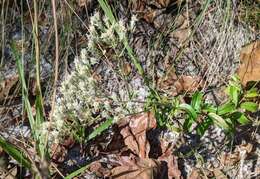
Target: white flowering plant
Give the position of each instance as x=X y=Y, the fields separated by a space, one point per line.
x=96 y=90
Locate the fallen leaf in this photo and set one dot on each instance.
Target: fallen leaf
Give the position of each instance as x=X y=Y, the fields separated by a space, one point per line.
x=190 y=83
x=173 y=85
x=126 y=69
x=97 y=168
x=249 y=69
x=229 y=159
x=58 y=153
x=134 y=132
x=144 y=169
x=6 y=85
x=168 y=157
x=182 y=30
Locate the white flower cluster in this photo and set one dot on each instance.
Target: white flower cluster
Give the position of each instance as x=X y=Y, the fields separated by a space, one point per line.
x=85 y=99
x=103 y=33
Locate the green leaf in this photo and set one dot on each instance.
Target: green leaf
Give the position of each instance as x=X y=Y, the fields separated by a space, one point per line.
x=202 y=127
x=187 y=124
x=77 y=172
x=240 y=118
x=207 y=108
x=252 y=93
x=218 y=120
x=243 y=120
x=191 y=112
x=233 y=93
x=100 y=129
x=228 y=107
x=14 y=152
x=196 y=100
x=249 y=106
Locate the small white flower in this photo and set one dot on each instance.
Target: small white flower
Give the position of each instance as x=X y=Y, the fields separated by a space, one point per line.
x=59 y=123
x=93 y=61
x=96 y=105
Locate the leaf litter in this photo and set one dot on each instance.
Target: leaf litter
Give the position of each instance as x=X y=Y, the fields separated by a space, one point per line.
x=134 y=160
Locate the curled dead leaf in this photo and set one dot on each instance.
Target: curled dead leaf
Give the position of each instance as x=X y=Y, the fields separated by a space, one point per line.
x=249 y=69
x=134 y=132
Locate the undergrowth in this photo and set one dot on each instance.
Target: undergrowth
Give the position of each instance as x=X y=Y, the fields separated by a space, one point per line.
x=84 y=103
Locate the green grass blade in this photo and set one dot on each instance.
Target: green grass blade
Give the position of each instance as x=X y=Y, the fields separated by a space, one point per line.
x=27 y=104
x=100 y=129
x=77 y=172
x=15 y=153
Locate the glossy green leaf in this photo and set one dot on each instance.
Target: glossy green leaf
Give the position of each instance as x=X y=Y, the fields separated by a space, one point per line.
x=14 y=152
x=218 y=120
x=249 y=106
x=226 y=108
x=189 y=109
x=196 y=100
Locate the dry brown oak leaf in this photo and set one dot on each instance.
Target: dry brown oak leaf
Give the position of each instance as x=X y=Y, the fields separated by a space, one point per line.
x=249 y=69
x=134 y=130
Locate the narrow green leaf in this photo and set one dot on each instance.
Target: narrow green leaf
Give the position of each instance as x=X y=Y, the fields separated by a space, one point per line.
x=218 y=120
x=207 y=108
x=196 y=100
x=233 y=93
x=192 y=113
x=27 y=104
x=77 y=172
x=226 y=108
x=188 y=123
x=15 y=153
x=100 y=129
x=249 y=106
x=202 y=127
